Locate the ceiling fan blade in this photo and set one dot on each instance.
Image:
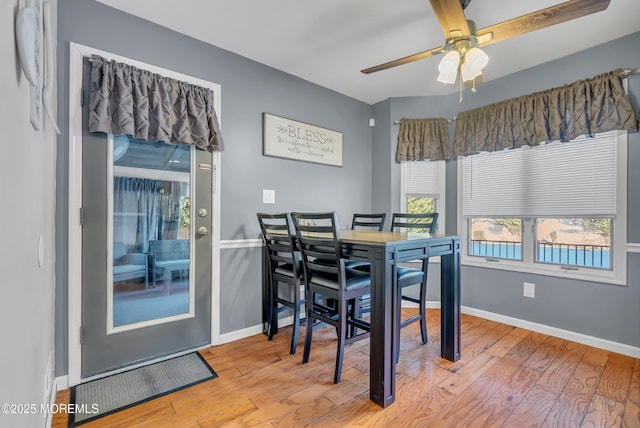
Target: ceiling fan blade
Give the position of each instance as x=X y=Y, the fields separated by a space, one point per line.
x=451 y=18
x=404 y=60
x=542 y=18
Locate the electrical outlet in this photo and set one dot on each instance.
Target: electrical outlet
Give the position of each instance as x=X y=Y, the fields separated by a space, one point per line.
x=529 y=290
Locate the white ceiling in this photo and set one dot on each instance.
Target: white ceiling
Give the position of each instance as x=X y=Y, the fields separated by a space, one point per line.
x=328 y=42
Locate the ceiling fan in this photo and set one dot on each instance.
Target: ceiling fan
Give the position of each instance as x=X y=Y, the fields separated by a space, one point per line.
x=462 y=40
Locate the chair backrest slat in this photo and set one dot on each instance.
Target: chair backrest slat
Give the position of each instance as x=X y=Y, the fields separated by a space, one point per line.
x=425 y=223
x=318 y=236
x=369 y=221
x=278 y=236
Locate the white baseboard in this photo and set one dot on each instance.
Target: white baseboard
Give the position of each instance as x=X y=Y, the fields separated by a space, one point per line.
x=596 y=342
x=430 y=305
x=252 y=331
x=61 y=383
x=240 y=334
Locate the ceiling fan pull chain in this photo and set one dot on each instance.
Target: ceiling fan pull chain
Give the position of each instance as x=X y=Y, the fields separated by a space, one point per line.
x=460 y=100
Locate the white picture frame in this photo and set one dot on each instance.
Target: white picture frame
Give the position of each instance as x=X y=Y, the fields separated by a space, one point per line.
x=290 y=139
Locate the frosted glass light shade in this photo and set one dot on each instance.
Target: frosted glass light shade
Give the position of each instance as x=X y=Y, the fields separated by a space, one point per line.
x=476 y=59
x=448 y=78
x=449 y=63
x=467 y=72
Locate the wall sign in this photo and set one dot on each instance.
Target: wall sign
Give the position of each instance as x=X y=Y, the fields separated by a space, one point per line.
x=290 y=139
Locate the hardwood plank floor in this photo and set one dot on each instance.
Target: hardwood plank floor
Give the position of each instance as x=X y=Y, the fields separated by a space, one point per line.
x=507 y=377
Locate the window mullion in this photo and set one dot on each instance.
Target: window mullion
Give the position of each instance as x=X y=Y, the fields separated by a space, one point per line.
x=528 y=240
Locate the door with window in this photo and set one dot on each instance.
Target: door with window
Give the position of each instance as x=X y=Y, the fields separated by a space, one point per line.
x=146 y=250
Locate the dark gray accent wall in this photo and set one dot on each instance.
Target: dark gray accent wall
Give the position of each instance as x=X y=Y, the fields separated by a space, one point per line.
x=601 y=310
x=248 y=90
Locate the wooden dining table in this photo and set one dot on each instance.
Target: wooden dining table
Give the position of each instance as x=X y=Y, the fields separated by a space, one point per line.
x=384 y=250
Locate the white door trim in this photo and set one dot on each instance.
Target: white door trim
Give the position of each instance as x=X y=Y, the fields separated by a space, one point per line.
x=74 y=252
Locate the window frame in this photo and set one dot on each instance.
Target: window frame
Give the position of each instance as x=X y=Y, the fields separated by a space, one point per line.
x=617 y=275
x=439 y=194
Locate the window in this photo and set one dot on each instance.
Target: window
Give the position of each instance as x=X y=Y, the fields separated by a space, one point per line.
x=496 y=238
x=574 y=242
x=423 y=189
x=554 y=209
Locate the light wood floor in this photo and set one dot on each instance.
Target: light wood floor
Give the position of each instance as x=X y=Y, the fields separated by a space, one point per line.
x=506 y=377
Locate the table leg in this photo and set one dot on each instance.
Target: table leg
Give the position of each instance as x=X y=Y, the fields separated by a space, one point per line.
x=450 y=303
x=382 y=381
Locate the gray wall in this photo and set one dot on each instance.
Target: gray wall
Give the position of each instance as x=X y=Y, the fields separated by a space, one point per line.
x=369 y=179
x=27 y=170
x=606 y=311
x=382 y=157
x=248 y=90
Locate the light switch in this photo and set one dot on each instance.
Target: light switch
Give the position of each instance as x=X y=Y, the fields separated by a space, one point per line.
x=268 y=196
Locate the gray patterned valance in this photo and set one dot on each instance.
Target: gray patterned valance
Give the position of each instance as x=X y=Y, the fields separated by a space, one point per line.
x=145 y=105
x=423 y=139
x=587 y=106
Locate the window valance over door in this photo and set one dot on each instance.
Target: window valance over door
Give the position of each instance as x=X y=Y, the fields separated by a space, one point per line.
x=588 y=106
x=126 y=100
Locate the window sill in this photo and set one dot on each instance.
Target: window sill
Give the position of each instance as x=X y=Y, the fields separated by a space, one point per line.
x=607 y=277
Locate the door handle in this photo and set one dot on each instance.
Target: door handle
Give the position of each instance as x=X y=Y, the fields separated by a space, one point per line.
x=203 y=231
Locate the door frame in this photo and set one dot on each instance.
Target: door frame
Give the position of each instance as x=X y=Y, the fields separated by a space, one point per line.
x=74 y=252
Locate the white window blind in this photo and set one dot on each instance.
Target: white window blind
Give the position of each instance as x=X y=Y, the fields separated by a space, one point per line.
x=576 y=178
x=423 y=177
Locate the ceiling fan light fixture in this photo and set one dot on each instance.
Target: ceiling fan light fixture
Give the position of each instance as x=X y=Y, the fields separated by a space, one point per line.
x=449 y=78
x=449 y=63
x=476 y=59
x=467 y=73
x=462 y=37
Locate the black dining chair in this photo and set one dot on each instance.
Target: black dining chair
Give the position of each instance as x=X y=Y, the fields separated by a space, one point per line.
x=327 y=278
x=369 y=221
x=284 y=267
x=407 y=276
x=365 y=222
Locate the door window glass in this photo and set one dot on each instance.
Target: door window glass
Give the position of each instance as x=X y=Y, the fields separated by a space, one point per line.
x=151 y=229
